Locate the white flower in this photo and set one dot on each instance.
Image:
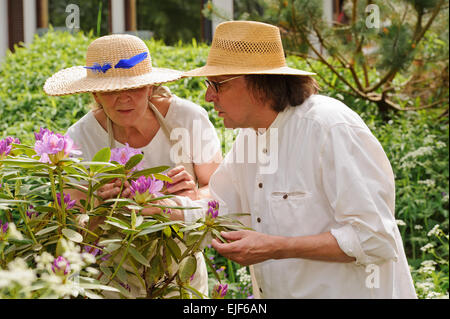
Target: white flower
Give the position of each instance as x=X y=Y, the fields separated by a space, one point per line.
x=400 y=222
x=418 y=227
x=421 y=151
x=428 y=182
x=82 y=219
x=428 y=263
x=425 y=286
x=14 y=233
x=427 y=247
x=440 y=145
x=435 y=231
x=429 y=139
x=17 y=273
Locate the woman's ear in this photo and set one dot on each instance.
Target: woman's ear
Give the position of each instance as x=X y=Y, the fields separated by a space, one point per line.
x=95 y=96
x=150 y=91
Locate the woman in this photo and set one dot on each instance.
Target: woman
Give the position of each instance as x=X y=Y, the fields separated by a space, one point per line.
x=133 y=112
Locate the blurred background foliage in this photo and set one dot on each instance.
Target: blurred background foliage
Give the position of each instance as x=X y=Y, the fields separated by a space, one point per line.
x=415 y=136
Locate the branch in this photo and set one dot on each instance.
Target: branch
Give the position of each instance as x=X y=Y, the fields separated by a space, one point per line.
x=430 y=21
x=428 y=106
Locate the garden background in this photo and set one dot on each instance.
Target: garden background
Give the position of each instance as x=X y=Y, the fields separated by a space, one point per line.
x=416 y=141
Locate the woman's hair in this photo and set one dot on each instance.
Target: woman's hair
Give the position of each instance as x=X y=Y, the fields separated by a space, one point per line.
x=94 y=105
x=281 y=90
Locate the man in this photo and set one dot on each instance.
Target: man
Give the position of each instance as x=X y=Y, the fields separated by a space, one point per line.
x=323 y=220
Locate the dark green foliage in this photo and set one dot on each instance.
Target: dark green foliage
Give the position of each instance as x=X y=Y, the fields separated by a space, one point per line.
x=170 y=20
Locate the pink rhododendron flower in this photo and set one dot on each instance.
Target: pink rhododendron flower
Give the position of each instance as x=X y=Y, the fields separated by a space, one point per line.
x=6 y=146
x=122 y=155
x=146 y=188
x=213 y=209
x=61 y=266
x=53 y=147
x=67 y=201
x=219 y=291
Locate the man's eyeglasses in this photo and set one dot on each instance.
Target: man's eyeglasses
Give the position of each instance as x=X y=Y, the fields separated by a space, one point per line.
x=215 y=85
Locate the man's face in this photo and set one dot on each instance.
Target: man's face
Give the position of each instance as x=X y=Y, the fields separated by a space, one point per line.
x=234 y=102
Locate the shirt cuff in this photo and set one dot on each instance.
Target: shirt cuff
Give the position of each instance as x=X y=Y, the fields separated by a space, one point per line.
x=348 y=241
x=192 y=215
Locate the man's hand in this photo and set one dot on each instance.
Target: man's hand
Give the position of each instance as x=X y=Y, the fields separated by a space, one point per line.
x=174 y=214
x=112 y=189
x=246 y=247
x=183 y=184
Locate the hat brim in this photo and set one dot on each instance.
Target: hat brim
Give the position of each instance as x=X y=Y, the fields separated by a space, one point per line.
x=209 y=70
x=74 y=80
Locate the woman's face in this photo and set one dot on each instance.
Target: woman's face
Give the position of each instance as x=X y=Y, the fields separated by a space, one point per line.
x=125 y=108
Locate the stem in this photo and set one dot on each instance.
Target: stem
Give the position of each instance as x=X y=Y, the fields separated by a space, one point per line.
x=53 y=189
x=27 y=226
x=121 y=262
x=61 y=191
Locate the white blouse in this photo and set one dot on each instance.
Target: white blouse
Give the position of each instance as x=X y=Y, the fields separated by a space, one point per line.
x=331 y=175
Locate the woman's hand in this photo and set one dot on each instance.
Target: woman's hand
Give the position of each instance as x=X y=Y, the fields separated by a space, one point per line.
x=174 y=214
x=183 y=183
x=112 y=189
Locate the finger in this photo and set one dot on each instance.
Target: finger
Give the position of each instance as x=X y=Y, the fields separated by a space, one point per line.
x=148 y=211
x=175 y=170
x=182 y=176
x=126 y=192
x=232 y=235
x=190 y=193
x=108 y=193
x=180 y=186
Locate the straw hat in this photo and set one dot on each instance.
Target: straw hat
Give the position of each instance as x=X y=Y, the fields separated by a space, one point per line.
x=246 y=47
x=113 y=62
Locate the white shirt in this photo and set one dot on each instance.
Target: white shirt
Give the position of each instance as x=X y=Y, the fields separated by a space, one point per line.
x=331 y=175
x=188 y=121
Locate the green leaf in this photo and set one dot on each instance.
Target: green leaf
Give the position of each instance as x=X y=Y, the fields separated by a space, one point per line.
x=174 y=248
x=146 y=224
x=163 y=177
x=149 y=171
x=188 y=266
x=72 y=235
x=138 y=256
x=46 y=230
x=104 y=155
x=117 y=222
x=133 y=161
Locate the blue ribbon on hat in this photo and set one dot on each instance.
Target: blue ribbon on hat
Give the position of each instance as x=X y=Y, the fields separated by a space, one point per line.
x=131 y=62
x=97 y=68
x=122 y=64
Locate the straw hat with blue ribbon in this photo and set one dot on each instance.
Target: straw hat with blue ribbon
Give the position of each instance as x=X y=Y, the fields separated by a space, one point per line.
x=246 y=47
x=114 y=62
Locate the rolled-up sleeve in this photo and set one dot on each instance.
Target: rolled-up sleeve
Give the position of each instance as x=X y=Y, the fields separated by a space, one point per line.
x=359 y=183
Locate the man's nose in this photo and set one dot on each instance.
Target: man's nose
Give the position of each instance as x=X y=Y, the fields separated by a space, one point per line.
x=210 y=94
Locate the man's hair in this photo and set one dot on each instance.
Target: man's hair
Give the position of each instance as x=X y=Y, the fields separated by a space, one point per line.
x=281 y=90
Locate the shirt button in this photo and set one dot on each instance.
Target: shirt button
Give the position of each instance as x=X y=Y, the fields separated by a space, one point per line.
x=285 y=196
x=260 y=290
x=260 y=185
x=258 y=219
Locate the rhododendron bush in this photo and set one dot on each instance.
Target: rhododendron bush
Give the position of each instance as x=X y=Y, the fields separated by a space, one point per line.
x=50 y=246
